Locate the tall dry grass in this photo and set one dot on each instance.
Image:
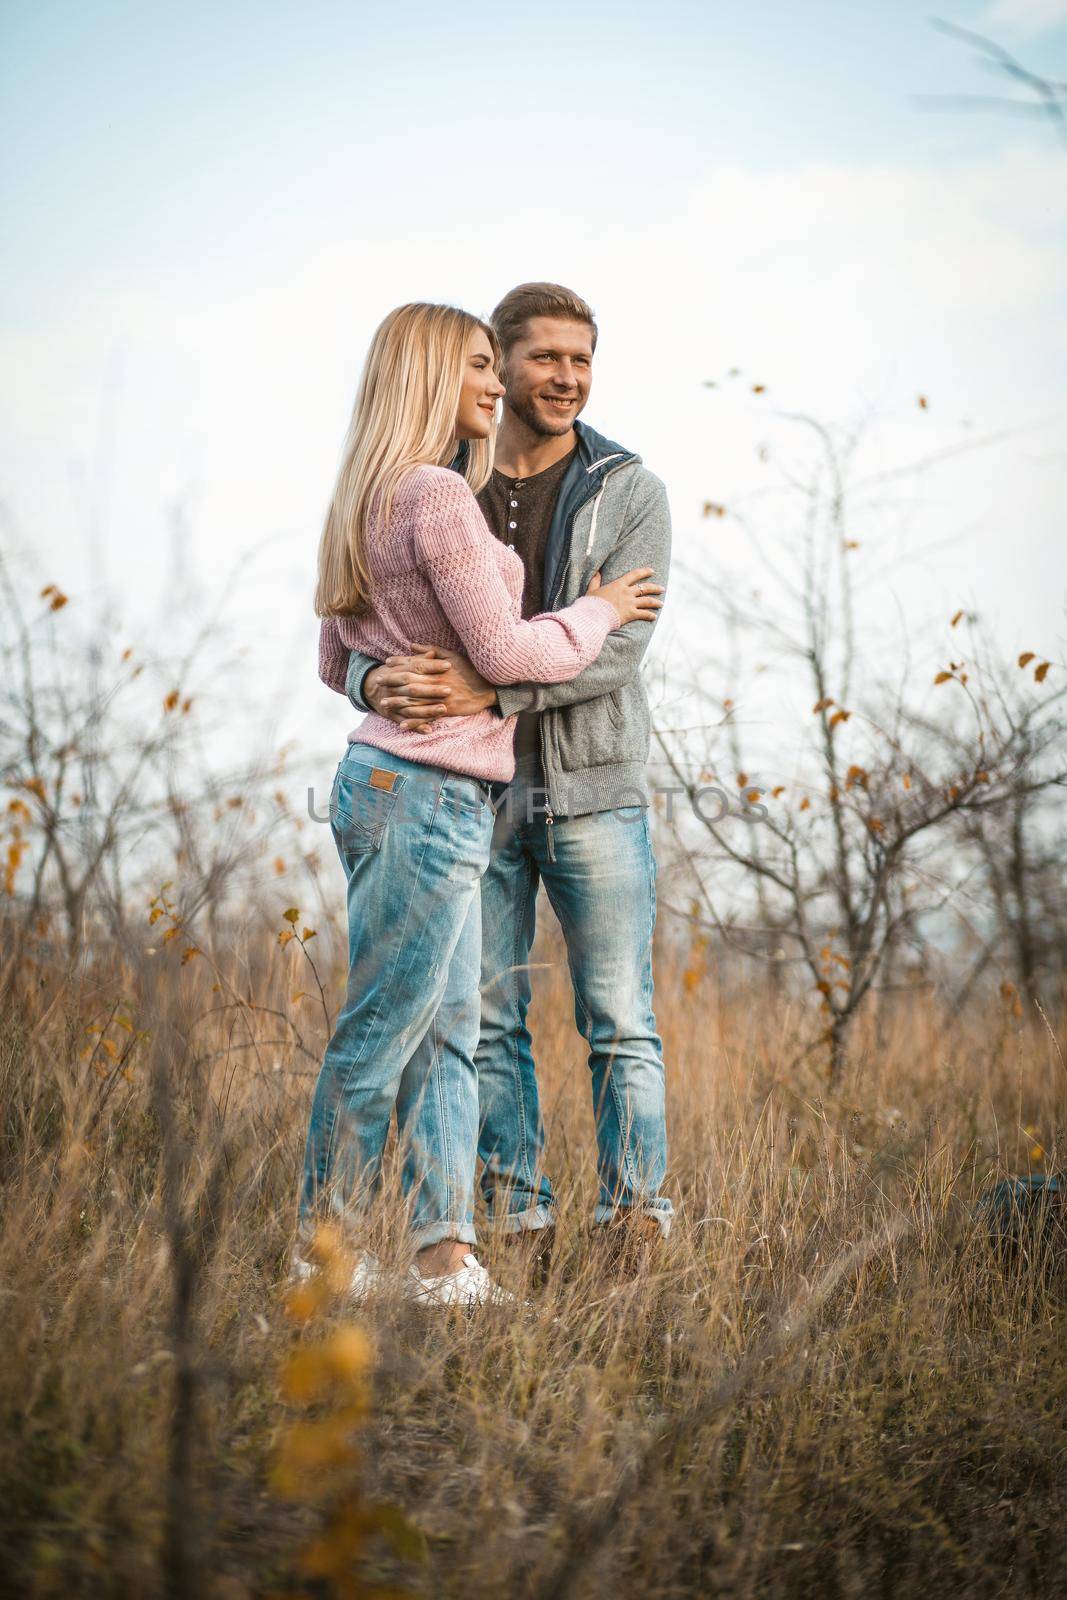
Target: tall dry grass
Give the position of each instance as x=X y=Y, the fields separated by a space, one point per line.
x=829 y=1385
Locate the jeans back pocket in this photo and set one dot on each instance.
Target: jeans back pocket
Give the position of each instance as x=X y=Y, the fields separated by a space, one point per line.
x=360 y=811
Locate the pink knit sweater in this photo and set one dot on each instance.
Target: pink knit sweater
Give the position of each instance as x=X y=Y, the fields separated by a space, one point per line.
x=441 y=577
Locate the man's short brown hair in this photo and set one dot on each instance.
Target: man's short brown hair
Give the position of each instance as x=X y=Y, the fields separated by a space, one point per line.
x=529 y=300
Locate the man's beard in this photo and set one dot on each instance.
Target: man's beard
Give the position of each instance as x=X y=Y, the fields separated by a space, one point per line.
x=524 y=410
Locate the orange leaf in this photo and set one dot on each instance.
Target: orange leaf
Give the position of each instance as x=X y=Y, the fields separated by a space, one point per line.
x=171 y=700
x=821 y=705
x=1041 y=672
x=839 y=716
x=906 y=780
x=777 y=790
x=742 y=779
x=955 y=619
x=1026 y=657
x=922 y=402
x=759 y=388
x=805 y=804
x=308 y=933
x=943 y=677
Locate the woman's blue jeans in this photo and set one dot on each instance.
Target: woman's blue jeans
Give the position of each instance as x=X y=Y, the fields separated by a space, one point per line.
x=414 y=842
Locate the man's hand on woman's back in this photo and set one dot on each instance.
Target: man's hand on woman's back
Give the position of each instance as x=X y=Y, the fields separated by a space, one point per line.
x=415 y=690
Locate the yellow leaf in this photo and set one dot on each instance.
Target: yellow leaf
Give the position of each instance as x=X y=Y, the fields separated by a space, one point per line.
x=188 y=953
x=292 y=915
x=154 y=916
x=349 y=1352
x=285 y=935
x=305 y=1300
x=308 y=933
x=171 y=933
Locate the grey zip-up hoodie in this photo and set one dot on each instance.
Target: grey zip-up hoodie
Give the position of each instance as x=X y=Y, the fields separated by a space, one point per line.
x=611 y=515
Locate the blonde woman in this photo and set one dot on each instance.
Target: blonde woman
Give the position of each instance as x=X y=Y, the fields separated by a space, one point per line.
x=407 y=558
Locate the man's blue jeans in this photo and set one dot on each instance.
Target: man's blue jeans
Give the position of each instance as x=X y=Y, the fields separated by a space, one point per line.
x=414 y=842
x=602 y=888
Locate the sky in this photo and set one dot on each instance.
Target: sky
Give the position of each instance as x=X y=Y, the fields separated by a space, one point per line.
x=210 y=207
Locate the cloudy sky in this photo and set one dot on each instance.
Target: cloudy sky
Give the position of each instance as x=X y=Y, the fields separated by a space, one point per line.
x=210 y=206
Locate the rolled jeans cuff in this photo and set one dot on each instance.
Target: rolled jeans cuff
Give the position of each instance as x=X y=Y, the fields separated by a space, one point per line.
x=529 y=1221
x=662 y=1210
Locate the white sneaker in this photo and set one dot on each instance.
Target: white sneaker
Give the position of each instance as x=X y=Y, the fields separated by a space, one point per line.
x=367 y=1273
x=470 y=1286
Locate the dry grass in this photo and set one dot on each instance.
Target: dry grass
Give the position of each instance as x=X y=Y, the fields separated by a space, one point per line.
x=829 y=1385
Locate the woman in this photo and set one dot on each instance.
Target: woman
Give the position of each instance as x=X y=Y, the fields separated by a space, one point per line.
x=406 y=556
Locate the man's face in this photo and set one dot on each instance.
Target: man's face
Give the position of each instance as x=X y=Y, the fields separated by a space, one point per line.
x=548 y=373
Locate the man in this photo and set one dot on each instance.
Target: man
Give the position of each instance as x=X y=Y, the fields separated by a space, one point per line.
x=571 y=503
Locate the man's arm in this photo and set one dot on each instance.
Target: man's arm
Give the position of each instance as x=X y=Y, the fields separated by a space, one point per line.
x=645 y=542
x=358 y=667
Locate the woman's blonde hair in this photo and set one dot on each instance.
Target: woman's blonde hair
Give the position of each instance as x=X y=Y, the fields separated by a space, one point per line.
x=404 y=416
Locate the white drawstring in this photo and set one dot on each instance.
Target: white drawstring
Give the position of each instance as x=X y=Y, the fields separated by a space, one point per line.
x=592 y=525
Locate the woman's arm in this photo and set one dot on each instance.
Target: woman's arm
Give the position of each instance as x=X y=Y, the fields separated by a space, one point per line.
x=456 y=552
x=333 y=655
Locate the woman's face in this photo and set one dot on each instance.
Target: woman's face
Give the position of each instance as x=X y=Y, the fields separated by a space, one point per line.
x=481 y=390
